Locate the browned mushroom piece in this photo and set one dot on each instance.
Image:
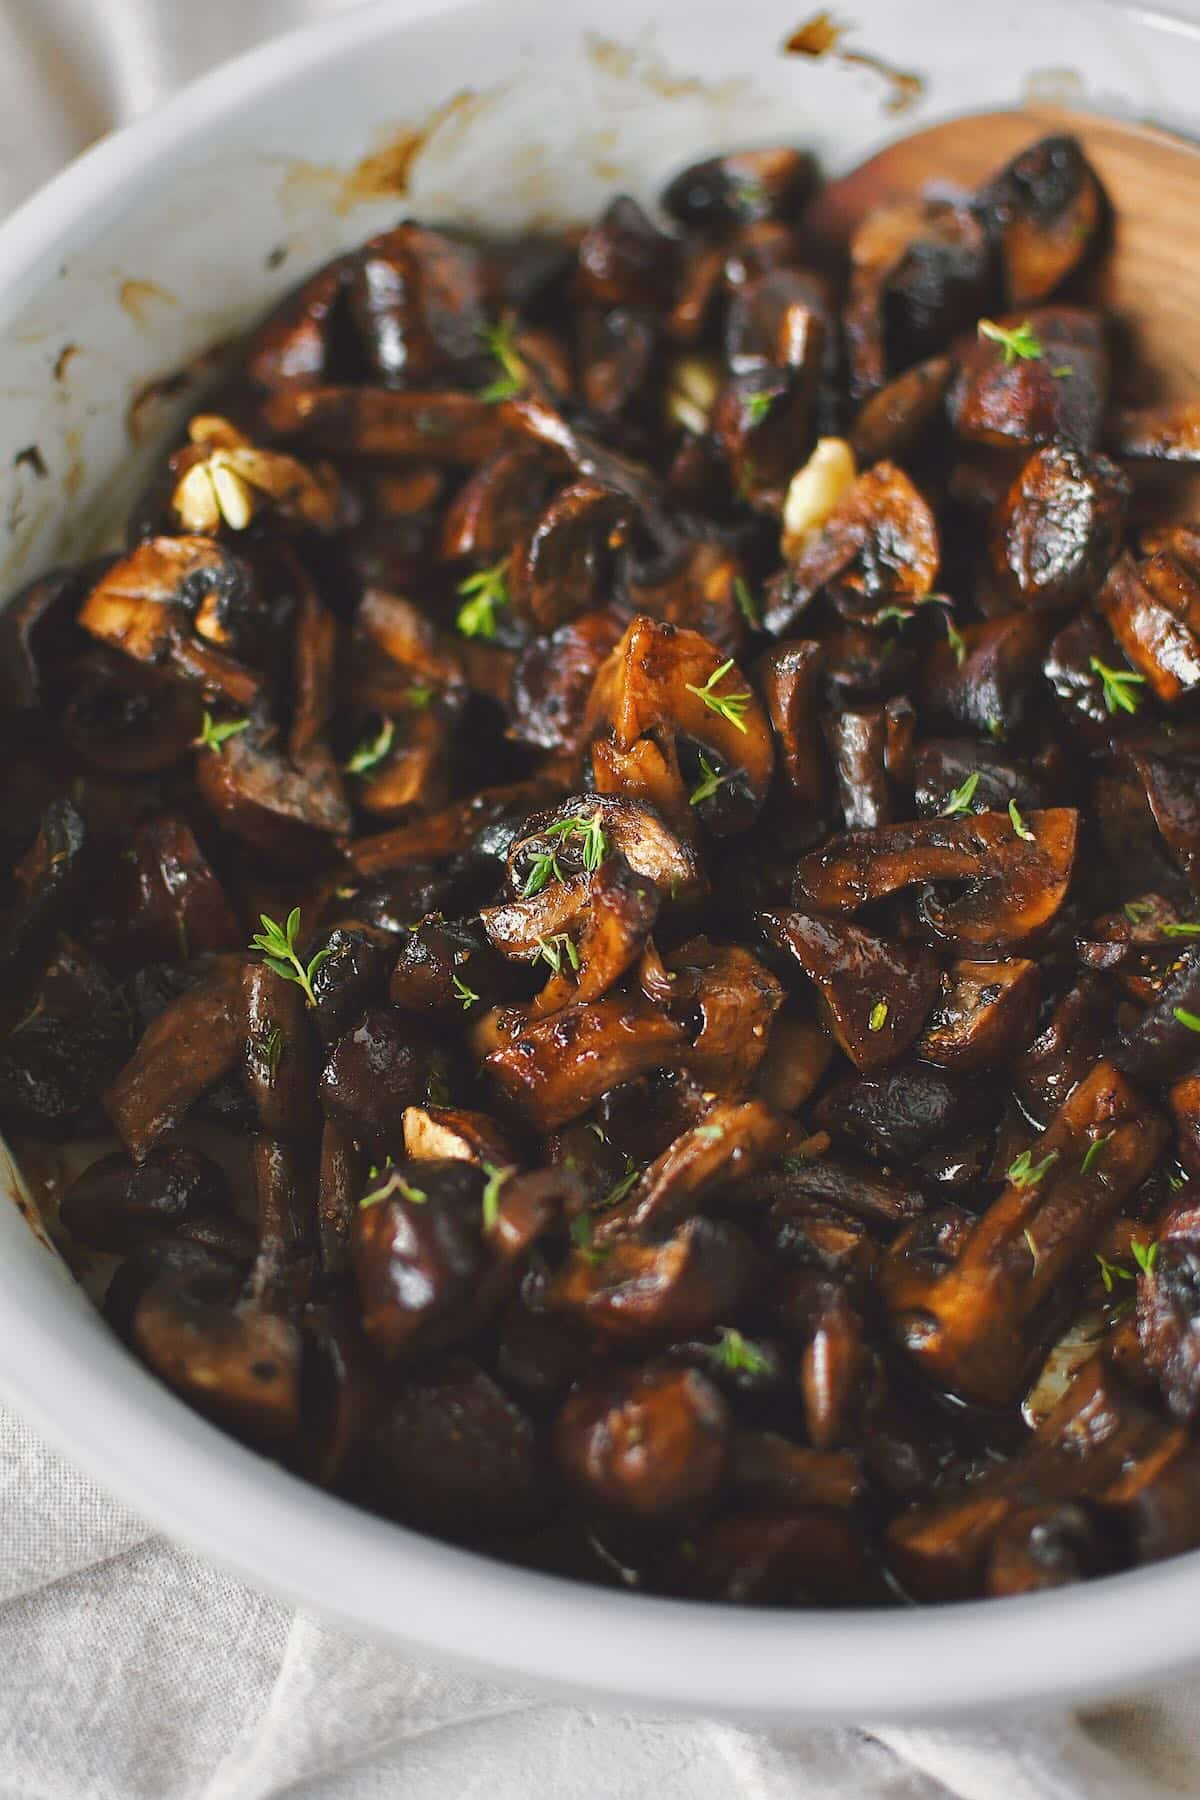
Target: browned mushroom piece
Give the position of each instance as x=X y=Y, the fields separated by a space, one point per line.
x=300 y=339
x=901 y=1112
x=559 y=570
x=875 y=995
x=278 y=1068
x=1064 y=1049
x=651 y=1443
x=850 y=1187
x=339 y=1184
x=452 y=1452
x=987 y=678
x=1016 y=881
x=734 y=1138
x=416 y=297
x=1047 y=210
x=552 y=681
x=288 y=809
x=1048 y=1546
x=419 y=1254
x=1058 y=394
x=1153 y=610
x=879 y=542
x=642 y=1295
x=233 y=1360
x=1059 y=528
x=803 y=1556
x=1162 y=1045
x=622 y=908
x=387 y=1061
x=765 y=1469
x=725 y=1000
x=724 y=192
x=979 y=1326
x=858 y=742
x=580 y=831
x=788 y=677
x=483 y=821
x=1075 y=665
x=624 y=260
x=985 y=1015
x=834 y=1362
x=894 y=421
x=117 y=1205
x=444 y=1132
x=763 y=418
x=667 y=683
x=443 y=427
x=37 y=629
x=1168 y=771
x=192 y=1042
x=127 y=718
x=920 y=271
x=1169 y=433
x=285 y=1187
x=552 y=1069
x=161 y=902
x=49 y=880
x=149 y=606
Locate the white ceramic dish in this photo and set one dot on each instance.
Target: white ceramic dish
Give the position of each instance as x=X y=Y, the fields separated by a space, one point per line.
x=154 y=246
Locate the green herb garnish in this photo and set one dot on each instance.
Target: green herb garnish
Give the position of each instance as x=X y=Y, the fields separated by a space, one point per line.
x=1093 y=1153
x=736 y=1353
x=547 y=952
x=395 y=1184
x=878 y=1018
x=758 y=405
x=213 y=736
x=582 y=1236
x=482 y=593
x=1018 y=824
x=1033 y=1249
x=746 y=604
x=1190 y=1019
x=729 y=706
x=960 y=800
x=542 y=869
x=1024 y=1172
x=595 y=844
x=496 y=1179
x=268 y=1048
x=466 y=995
x=1144 y=1255
x=628 y=1181
x=1185 y=928
x=1118 y=686
x=500 y=340
x=372 y=750
x=1020 y=344
x=956 y=641
x=709 y=783
x=278 y=945
x=1111 y=1272
x=1135 y=910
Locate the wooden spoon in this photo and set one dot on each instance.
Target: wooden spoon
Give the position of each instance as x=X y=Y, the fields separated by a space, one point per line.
x=1147 y=279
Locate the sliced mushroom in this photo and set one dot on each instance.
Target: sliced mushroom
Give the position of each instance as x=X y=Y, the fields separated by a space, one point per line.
x=651 y=1443
x=385 y=1063
x=1169 y=779
x=193 y=1041
x=558 y=572
x=1060 y=394
x=986 y=1014
x=285 y=808
x=416 y=297
x=1047 y=209
x=1153 y=610
x=299 y=341
x=496 y=504
x=1059 y=528
x=278 y=1069
x=117 y=1205
x=552 y=1069
x=725 y=1000
x=442 y=1132
x=875 y=995
x=1016 y=883
x=440 y=428
x=895 y=419
x=161 y=901
x=646 y=1294
x=735 y=1138
x=880 y=541
x=788 y=676
x=721 y=193
x=980 y=1325
x=987 y=678
x=553 y=678
x=919 y=273
x=624 y=260
x=904 y=1111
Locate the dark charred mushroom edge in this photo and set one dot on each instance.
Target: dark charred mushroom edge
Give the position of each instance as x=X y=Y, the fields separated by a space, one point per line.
x=602 y=916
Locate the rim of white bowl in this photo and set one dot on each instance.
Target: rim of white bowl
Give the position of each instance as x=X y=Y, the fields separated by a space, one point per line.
x=76 y=1384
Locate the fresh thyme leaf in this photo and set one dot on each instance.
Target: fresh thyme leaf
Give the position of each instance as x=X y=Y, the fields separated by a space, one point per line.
x=1144 y=1255
x=542 y=870
x=214 y=735
x=956 y=641
x=960 y=800
x=1063 y=371
x=418 y=695
x=1111 y=1272
x=548 y=952
x=395 y=1184
x=582 y=1235
x=278 y=945
x=707 y=786
x=1184 y=928
x=1190 y=1019
x=878 y=1018
x=372 y=750
x=496 y=1179
x=482 y=593
x=736 y=1353
x=746 y=603
x=466 y=995
x=1118 y=686
x=710 y=1134
x=1018 y=824
x=500 y=340
x=1020 y=343
x=729 y=706
x=627 y=1182
x=1024 y=1172
x=1033 y=1249
x=1093 y=1154
x=758 y=405
x=591 y=830
x=1137 y=909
